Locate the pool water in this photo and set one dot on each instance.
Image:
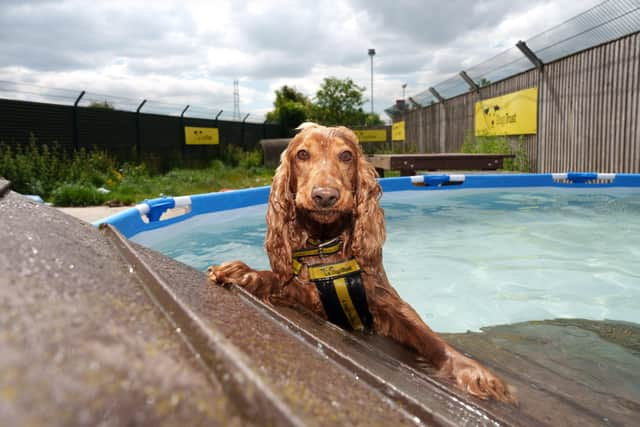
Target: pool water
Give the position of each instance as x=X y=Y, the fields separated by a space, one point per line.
x=470 y=259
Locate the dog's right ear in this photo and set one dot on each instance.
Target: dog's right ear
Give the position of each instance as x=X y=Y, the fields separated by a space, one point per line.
x=281 y=217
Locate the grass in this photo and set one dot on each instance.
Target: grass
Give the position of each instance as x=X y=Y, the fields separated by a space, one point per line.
x=137 y=186
x=75 y=179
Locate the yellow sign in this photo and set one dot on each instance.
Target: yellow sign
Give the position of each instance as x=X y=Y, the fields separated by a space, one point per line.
x=371 y=135
x=201 y=136
x=512 y=114
x=397 y=131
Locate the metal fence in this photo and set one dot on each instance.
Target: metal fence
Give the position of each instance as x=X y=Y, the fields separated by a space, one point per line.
x=128 y=128
x=588 y=75
x=82 y=98
x=602 y=23
x=128 y=135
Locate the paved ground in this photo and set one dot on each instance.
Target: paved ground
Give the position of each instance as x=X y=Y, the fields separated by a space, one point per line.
x=93 y=213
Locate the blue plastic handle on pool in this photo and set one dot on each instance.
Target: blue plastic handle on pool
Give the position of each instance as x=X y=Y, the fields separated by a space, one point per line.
x=435 y=180
x=159 y=206
x=581 y=177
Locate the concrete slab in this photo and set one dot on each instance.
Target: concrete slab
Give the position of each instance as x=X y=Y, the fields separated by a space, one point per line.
x=81 y=342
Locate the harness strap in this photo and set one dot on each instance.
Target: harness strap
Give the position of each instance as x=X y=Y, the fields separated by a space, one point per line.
x=342 y=290
x=339 y=285
x=344 y=300
x=333 y=271
x=327 y=248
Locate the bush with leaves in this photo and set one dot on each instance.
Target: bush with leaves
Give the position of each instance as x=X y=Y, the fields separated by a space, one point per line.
x=499 y=145
x=77 y=195
x=35 y=168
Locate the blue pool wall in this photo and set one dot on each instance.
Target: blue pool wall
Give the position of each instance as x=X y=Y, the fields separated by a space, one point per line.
x=130 y=222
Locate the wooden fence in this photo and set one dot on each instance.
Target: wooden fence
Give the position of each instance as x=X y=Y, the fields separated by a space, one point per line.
x=588 y=112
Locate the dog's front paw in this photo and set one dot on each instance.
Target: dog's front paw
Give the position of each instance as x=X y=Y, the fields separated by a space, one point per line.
x=234 y=272
x=479 y=381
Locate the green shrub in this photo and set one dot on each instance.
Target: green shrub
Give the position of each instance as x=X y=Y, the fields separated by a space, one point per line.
x=486 y=145
x=77 y=195
x=499 y=145
x=35 y=168
x=69 y=178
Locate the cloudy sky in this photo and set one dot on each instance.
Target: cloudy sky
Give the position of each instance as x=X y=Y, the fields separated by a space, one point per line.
x=190 y=52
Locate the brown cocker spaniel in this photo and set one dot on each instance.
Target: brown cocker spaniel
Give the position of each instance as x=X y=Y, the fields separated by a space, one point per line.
x=325 y=231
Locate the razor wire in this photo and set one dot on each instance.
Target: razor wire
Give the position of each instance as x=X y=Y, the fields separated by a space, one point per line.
x=605 y=22
x=22 y=91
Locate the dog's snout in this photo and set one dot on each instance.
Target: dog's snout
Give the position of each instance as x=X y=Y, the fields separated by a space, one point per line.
x=325 y=197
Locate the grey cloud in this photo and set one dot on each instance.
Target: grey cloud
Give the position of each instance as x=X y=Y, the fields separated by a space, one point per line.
x=434 y=22
x=310 y=35
x=58 y=36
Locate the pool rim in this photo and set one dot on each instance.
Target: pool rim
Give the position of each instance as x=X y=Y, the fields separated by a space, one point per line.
x=130 y=222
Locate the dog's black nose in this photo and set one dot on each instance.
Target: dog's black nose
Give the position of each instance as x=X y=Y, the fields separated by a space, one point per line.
x=325 y=197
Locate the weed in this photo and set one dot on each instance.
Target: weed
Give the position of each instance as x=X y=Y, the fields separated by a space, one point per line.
x=499 y=145
x=77 y=195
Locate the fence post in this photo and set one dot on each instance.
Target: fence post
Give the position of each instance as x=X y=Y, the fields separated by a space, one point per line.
x=184 y=138
x=76 y=138
x=443 y=120
x=242 y=130
x=537 y=62
x=138 y=151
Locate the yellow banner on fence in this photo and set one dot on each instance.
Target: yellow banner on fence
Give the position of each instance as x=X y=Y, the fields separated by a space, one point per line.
x=512 y=114
x=371 y=135
x=201 y=136
x=397 y=131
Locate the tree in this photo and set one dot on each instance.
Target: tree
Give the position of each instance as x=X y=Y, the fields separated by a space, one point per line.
x=291 y=108
x=339 y=102
x=373 y=120
x=102 y=104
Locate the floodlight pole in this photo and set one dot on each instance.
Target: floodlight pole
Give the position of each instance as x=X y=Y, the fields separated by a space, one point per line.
x=372 y=53
x=404 y=87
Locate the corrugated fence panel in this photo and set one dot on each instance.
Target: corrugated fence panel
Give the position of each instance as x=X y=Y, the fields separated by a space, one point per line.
x=589 y=112
x=47 y=122
x=590 y=104
x=160 y=137
x=111 y=130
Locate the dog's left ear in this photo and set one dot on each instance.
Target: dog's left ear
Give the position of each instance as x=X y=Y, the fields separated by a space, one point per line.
x=369 y=232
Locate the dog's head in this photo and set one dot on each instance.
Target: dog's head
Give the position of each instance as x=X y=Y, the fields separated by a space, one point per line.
x=323 y=175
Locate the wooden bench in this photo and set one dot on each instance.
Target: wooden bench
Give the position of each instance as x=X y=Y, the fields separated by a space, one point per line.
x=408 y=164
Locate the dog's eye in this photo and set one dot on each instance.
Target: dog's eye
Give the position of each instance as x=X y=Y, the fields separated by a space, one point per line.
x=303 y=155
x=346 y=156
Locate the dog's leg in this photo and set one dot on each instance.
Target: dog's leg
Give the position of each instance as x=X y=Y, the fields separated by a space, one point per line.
x=396 y=319
x=262 y=283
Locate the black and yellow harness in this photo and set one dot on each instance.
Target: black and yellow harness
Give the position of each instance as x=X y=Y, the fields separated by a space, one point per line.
x=339 y=285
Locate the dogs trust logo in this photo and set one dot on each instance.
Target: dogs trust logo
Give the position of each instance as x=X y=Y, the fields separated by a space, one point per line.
x=493 y=118
x=201 y=136
x=511 y=114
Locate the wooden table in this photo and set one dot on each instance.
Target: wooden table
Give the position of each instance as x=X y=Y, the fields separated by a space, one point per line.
x=408 y=164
